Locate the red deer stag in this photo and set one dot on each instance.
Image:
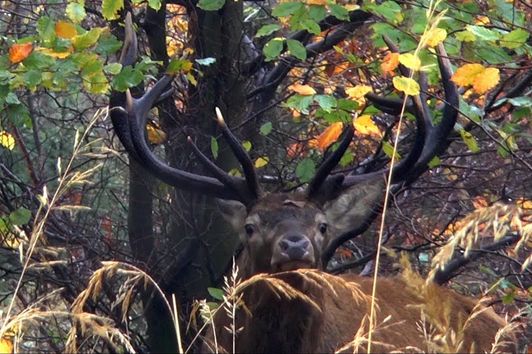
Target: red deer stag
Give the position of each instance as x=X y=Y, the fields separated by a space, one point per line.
x=296 y=307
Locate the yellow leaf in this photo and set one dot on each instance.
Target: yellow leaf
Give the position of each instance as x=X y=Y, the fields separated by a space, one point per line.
x=19 y=52
x=434 y=36
x=53 y=54
x=65 y=30
x=6 y=345
x=261 y=162
x=7 y=140
x=316 y=2
x=365 y=125
x=524 y=203
x=466 y=75
x=329 y=136
x=303 y=90
x=486 y=81
x=358 y=92
x=410 y=61
x=406 y=85
x=390 y=63
x=155 y=135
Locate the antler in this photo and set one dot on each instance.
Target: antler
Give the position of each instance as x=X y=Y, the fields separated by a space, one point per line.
x=129 y=121
x=429 y=141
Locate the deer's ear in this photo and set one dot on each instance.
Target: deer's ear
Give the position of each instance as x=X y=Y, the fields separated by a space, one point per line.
x=234 y=212
x=353 y=206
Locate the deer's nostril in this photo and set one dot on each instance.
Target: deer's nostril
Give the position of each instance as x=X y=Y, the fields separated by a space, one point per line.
x=294 y=246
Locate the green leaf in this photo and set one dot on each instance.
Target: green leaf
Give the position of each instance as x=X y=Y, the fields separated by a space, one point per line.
x=339 y=12
x=177 y=65
x=435 y=162
x=326 y=102
x=214 y=147
x=266 y=128
x=38 y=61
x=483 y=33
x=32 y=78
x=266 y=30
x=387 y=148
x=127 y=78
x=113 y=68
x=297 y=49
x=211 y=5
x=12 y=98
x=273 y=48
x=21 y=216
x=469 y=140
x=75 y=12
x=522 y=101
x=286 y=9
x=87 y=39
x=317 y=12
x=347 y=105
x=154 y=4
x=46 y=28
x=216 y=293
x=305 y=170
x=515 y=39
x=108 y=44
x=311 y=26
x=110 y=8
x=300 y=103
x=390 y=10
x=246 y=144
x=465 y=36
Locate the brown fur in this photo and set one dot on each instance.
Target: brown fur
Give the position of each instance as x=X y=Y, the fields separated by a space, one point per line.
x=322 y=313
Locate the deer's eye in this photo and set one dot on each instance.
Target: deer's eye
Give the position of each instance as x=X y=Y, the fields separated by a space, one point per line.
x=323 y=227
x=250 y=229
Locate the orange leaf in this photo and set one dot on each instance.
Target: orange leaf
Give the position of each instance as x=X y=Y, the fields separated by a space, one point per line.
x=303 y=90
x=294 y=150
x=329 y=136
x=486 y=81
x=65 y=29
x=465 y=75
x=19 y=52
x=390 y=63
x=316 y=2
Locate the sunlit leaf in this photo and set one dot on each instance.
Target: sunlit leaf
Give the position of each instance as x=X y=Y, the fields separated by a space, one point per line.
x=6 y=345
x=110 y=8
x=58 y=55
x=406 y=85
x=465 y=36
x=358 y=92
x=483 y=33
x=87 y=39
x=365 y=125
x=469 y=140
x=465 y=75
x=303 y=90
x=7 y=140
x=261 y=161
x=205 y=61
x=410 y=60
x=434 y=36
x=19 y=52
x=65 y=29
x=486 y=81
x=515 y=39
x=75 y=12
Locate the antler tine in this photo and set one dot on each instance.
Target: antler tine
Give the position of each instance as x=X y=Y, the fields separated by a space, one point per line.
x=241 y=155
x=330 y=162
x=129 y=117
x=221 y=175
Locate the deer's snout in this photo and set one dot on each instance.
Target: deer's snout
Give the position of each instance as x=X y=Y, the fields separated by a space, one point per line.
x=295 y=249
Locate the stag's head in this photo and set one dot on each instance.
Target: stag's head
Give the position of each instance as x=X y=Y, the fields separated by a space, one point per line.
x=284 y=231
